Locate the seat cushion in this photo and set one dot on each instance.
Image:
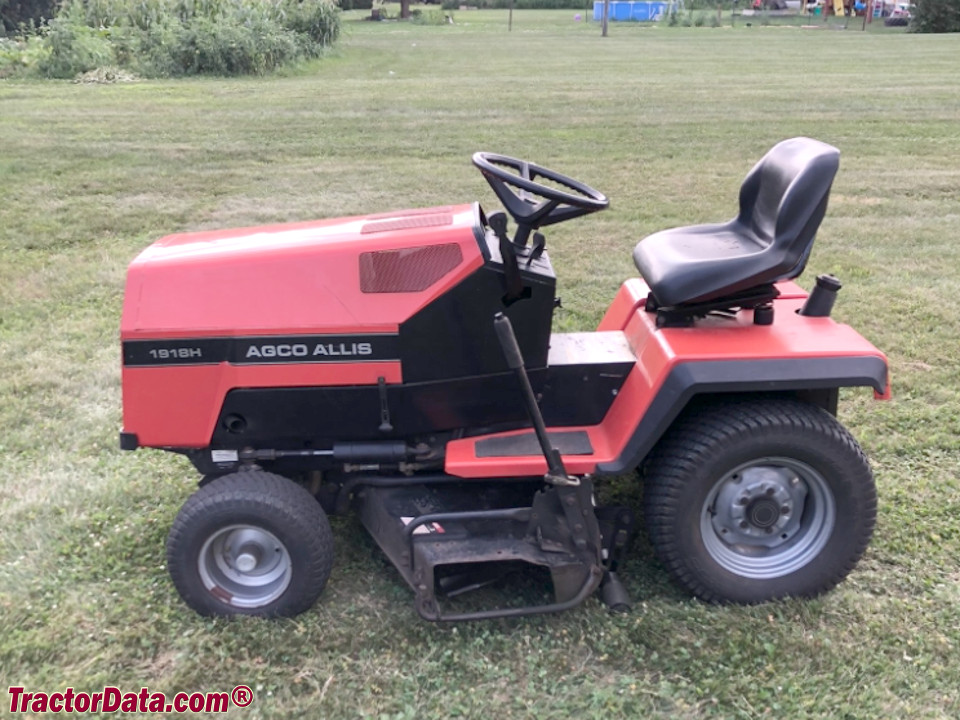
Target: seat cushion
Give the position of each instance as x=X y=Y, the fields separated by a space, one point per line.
x=687 y=264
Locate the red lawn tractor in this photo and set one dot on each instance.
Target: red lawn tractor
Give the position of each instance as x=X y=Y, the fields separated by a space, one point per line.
x=403 y=365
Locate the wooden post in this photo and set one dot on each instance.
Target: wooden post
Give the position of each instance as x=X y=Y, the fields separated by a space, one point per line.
x=606 y=14
x=510 y=22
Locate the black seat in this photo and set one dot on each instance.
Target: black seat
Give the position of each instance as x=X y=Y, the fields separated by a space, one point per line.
x=782 y=202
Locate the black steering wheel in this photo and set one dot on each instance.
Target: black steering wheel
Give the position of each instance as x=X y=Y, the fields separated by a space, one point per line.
x=533 y=204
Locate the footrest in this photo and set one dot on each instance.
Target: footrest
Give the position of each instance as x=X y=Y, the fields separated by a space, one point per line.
x=516 y=453
x=574 y=442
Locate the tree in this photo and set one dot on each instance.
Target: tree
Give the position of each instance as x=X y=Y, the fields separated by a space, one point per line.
x=936 y=16
x=14 y=13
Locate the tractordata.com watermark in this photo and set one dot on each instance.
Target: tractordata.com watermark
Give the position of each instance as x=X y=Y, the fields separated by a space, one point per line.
x=113 y=700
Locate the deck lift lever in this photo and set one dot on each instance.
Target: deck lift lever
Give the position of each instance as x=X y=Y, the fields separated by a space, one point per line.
x=576 y=495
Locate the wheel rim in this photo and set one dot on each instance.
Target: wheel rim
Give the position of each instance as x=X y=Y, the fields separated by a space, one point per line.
x=244 y=566
x=768 y=518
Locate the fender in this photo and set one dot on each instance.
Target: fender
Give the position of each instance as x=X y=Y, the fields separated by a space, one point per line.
x=687 y=380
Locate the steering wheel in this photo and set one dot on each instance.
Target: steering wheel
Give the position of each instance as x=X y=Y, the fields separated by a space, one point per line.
x=533 y=204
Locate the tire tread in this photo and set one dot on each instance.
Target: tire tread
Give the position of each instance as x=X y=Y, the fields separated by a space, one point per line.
x=255 y=491
x=703 y=433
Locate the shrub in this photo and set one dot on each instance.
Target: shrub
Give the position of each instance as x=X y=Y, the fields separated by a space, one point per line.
x=17 y=14
x=520 y=4
x=936 y=16
x=431 y=17
x=73 y=46
x=10 y=54
x=380 y=11
x=317 y=19
x=230 y=47
x=20 y=54
x=186 y=37
x=150 y=52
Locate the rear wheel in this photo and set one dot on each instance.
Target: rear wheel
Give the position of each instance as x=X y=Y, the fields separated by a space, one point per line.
x=250 y=543
x=759 y=499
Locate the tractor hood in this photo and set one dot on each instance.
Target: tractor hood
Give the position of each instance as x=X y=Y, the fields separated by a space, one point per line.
x=357 y=274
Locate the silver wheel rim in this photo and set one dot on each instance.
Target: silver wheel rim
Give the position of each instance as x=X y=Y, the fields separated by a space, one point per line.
x=244 y=566
x=768 y=518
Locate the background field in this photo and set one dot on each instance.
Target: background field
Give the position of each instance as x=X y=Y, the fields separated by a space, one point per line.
x=666 y=121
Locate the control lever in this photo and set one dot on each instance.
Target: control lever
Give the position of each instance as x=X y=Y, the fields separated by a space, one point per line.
x=539 y=245
x=498 y=223
x=556 y=472
x=575 y=497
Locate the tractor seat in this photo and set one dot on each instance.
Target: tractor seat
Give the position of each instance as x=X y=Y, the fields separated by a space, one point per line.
x=782 y=202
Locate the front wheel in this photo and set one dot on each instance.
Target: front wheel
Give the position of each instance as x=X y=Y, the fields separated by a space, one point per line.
x=250 y=543
x=760 y=499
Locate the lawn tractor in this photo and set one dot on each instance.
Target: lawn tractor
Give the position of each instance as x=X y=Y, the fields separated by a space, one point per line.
x=402 y=365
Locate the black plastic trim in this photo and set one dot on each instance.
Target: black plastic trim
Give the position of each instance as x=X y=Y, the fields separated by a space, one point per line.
x=453 y=336
x=690 y=379
x=479 y=231
x=262 y=350
x=129 y=441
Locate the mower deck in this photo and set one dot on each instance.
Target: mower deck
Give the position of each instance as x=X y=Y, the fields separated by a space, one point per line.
x=448 y=539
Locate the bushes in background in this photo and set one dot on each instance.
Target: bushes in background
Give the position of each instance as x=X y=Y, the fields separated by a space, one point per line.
x=185 y=37
x=435 y=16
x=17 y=13
x=74 y=47
x=936 y=16
x=521 y=4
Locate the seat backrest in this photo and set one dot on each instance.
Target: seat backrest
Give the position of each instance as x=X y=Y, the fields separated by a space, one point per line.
x=784 y=198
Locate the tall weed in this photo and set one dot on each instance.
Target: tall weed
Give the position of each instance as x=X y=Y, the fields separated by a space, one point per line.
x=233 y=47
x=319 y=20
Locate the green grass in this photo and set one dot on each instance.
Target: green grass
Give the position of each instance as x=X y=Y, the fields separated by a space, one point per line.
x=665 y=120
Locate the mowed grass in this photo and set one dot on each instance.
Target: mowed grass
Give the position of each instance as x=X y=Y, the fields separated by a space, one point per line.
x=666 y=121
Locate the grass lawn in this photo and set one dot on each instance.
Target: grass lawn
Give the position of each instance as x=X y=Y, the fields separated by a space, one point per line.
x=666 y=121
